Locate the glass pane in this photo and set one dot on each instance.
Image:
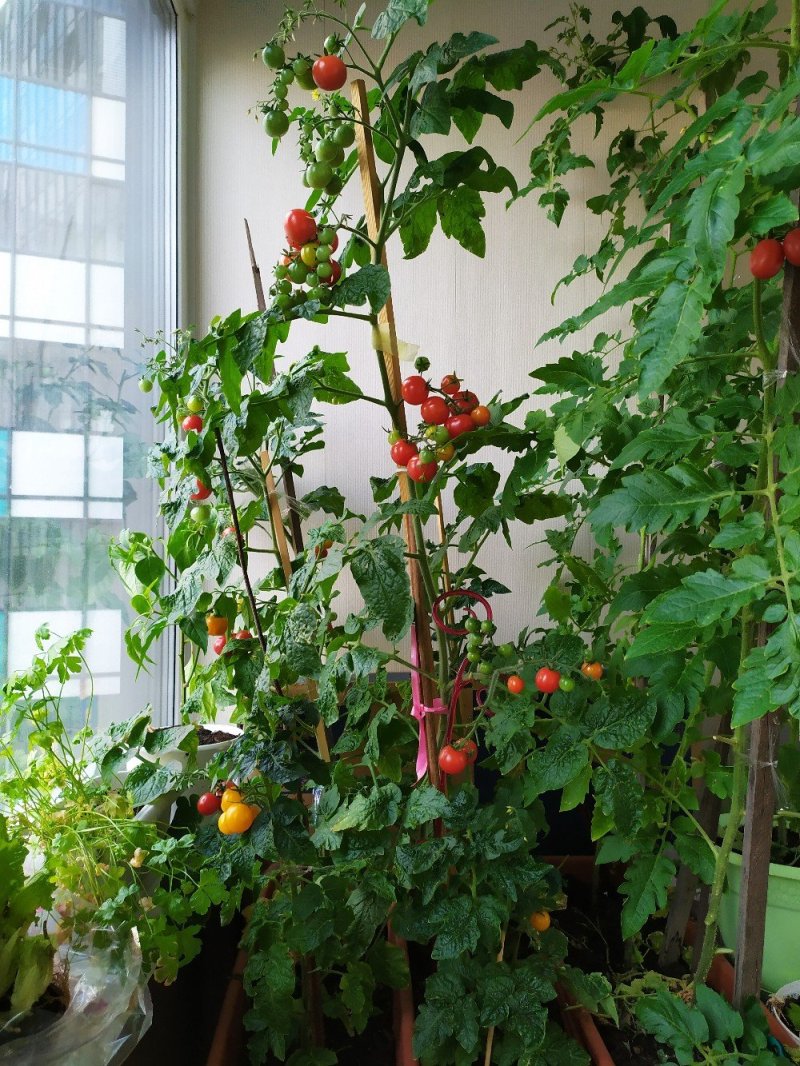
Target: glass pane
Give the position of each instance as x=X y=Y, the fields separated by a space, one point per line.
x=81 y=278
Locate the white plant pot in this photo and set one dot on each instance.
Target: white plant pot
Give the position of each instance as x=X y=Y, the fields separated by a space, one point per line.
x=790 y=991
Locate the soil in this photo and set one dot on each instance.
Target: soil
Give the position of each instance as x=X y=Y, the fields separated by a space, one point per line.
x=205 y=736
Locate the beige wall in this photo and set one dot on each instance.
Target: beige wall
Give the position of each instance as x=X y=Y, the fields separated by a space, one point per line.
x=481 y=318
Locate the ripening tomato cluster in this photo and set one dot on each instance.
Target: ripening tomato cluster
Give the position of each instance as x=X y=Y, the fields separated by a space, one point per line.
x=447 y=413
x=456 y=757
x=549 y=681
x=237 y=816
x=769 y=255
x=308 y=262
x=217 y=626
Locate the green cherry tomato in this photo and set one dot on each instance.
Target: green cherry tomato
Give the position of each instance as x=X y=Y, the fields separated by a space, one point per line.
x=306 y=80
x=474 y=656
x=506 y=650
x=427 y=456
x=566 y=684
x=298 y=272
x=324 y=271
x=344 y=135
x=275 y=123
x=280 y=91
x=274 y=56
x=200 y=514
x=280 y=271
x=393 y=436
x=441 y=434
x=145 y=385
x=326 y=235
x=319 y=175
x=488 y=627
x=327 y=150
x=485 y=669
x=283 y=301
x=474 y=640
x=331 y=44
x=334 y=186
x=472 y=625
x=323 y=253
x=286 y=76
x=284 y=286
x=194 y=403
x=301 y=66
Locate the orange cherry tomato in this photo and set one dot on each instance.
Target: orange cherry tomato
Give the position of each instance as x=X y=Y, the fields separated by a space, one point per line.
x=540 y=920
x=217 y=625
x=236 y=819
x=594 y=671
x=481 y=415
x=515 y=684
x=229 y=797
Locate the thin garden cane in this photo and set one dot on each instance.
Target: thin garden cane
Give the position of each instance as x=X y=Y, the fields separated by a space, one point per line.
x=385 y=344
x=281 y=542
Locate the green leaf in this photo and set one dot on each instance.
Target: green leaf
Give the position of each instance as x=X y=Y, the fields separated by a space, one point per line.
x=576 y=790
x=671 y=330
x=566 y=448
x=418 y=223
x=551 y=767
x=619 y=795
x=658 y=502
x=425 y=804
x=510 y=69
x=742 y=532
x=618 y=722
x=231 y=378
x=376 y=809
x=711 y=216
x=456 y=926
x=673 y=1022
x=593 y=991
x=379 y=569
x=433 y=111
x=461 y=210
x=660 y=638
x=724 y=1023
x=370 y=283
x=398 y=12
x=647 y=879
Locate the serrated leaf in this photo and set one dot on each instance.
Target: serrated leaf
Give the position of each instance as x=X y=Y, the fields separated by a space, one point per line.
x=460 y=211
x=647 y=879
x=396 y=13
x=671 y=330
x=711 y=216
x=619 y=795
x=673 y=1022
x=418 y=223
x=552 y=766
x=425 y=804
x=619 y=721
x=370 y=283
x=379 y=569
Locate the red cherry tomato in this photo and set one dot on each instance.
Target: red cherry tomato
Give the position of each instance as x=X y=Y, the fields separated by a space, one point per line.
x=515 y=684
x=791 y=246
x=450 y=384
x=481 y=415
x=594 y=671
x=300 y=228
x=414 y=390
x=203 y=491
x=470 y=749
x=452 y=761
x=336 y=267
x=459 y=424
x=465 y=401
x=194 y=422
x=422 y=472
x=435 y=411
x=402 y=451
x=335 y=242
x=208 y=803
x=243 y=634
x=218 y=644
x=547 y=680
x=329 y=73
x=227 y=531
x=766 y=259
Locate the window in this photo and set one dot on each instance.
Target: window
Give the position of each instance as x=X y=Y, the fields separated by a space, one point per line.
x=87 y=172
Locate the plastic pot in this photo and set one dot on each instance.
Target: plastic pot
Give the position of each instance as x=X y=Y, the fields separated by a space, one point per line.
x=782 y=935
x=787 y=1036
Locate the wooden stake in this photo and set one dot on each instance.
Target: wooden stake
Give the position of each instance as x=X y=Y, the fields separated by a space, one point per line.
x=372 y=212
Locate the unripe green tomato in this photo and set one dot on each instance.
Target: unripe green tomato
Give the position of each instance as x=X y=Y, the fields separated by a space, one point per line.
x=427 y=456
x=331 y=44
x=326 y=296
x=506 y=650
x=324 y=271
x=308 y=254
x=274 y=56
x=473 y=656
x=298 y=272
x=323 y=253
x=566 y=684
x=306 y=80
x=334 y=186
x=474 y=640
x=200 y=514
x=317 y=293
x=301 y=66
x=280 y=91
x=441 y=434
x=280 y=271
x=194 y=403
x=326 y=235
x=275 y=123
x=485 y=669
x=472 y=625
x=319 y=175
x=284 y=286
x=488 y=627
x=344 y=135
x=326 y=151
x=393 y=436
x=286 y=76
x=282 y=105
x=145 y=385
x=283 y=301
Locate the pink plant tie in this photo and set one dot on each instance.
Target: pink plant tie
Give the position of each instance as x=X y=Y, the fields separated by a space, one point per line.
x=419 y=709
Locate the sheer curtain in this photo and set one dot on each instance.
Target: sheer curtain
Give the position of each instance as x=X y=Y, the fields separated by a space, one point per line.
x=87 y=214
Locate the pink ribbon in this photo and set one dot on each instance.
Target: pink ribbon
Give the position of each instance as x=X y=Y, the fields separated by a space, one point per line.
x=419 y=709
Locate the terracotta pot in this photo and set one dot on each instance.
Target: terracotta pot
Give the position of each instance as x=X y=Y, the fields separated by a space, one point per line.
x=579 y=1024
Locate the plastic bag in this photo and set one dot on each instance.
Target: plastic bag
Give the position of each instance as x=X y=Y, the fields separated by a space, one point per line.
x=109 y=1012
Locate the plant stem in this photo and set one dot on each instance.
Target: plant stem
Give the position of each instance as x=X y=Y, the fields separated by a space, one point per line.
x=240 y=550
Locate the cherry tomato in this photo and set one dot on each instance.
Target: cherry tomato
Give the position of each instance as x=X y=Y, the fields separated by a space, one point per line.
x=466 y=402
x=540 y=920
x=594 y=671
x=414 y=390
x=276 y=123
x=300 y=227
x=203 y=491
x=450 y=384
x=419 y=471
x=308 y=253
x=472 y=625
x=192 y=422
x=227 y=531
x=145 y=385
x=230 y=796
x=218 y=644
x=321 y=550
x=470 y=749
x=547 y=680
x=243 y=634
x=445 y=453
x=273 y=56
x=427 y=455
x=402 y=451
x=236 y=819
x=335 y=274
x=318 y=175
x=481 y=415
x=194 y=403
x=334 y=243
x=566 y=684
x=393 y=436
x=329 y=73
x=766 y=259
x=791 y=246
x=506 y=650
x=216 y=624
x=200 y=514
x=451 y=760
x=208 y=803
x=435 y=411
x=515 y=684
x=459 y=424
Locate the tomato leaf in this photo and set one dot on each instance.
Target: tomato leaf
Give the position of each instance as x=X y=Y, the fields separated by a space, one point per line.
x=369 y=283
x=460 y=211
x=379 y=569
x=647 y=879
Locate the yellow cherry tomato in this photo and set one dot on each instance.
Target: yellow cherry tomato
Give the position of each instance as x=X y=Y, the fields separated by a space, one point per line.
x=540 y=920
x=308 y=253
x=237 y=819
x=229 y=797
x=445 y=453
